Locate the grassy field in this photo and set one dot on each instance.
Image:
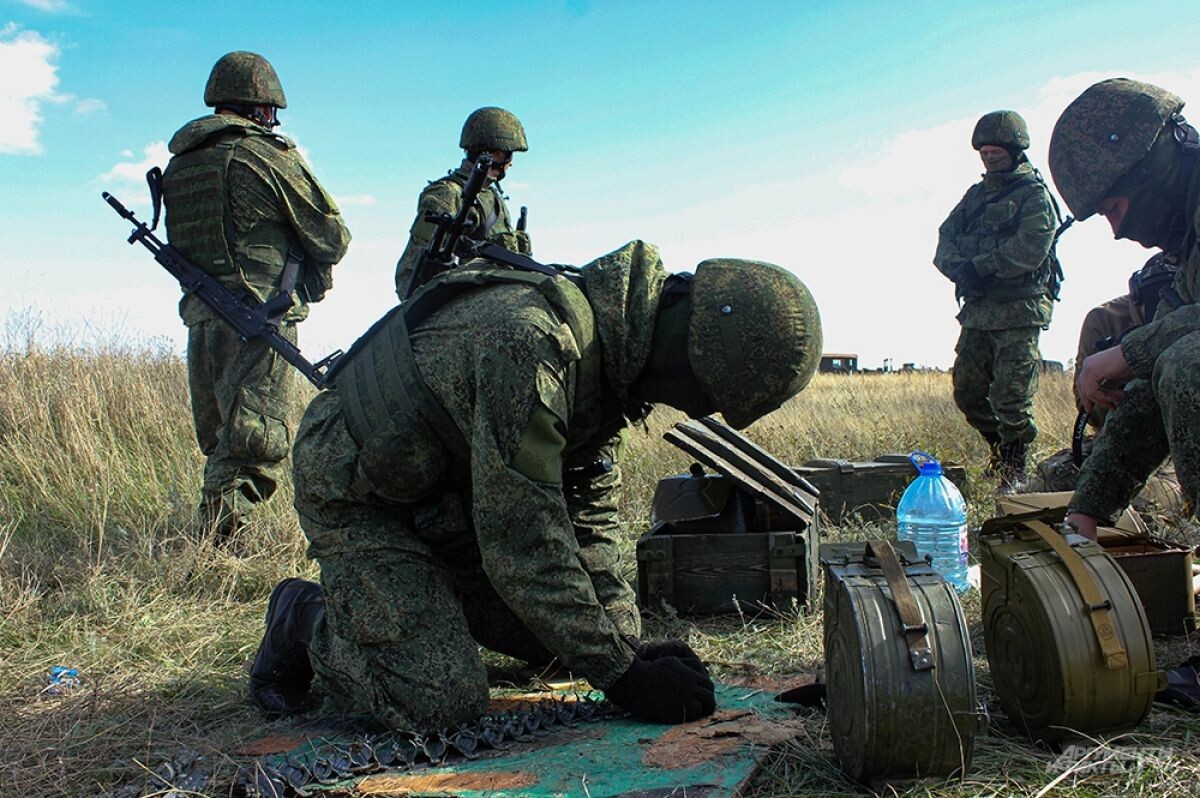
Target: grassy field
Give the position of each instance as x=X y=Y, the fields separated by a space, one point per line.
x=100 y=570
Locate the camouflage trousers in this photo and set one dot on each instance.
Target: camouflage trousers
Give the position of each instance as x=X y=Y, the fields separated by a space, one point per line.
x=240 y=395
x=404 y=613
x=1161 y=498
x=995 y=379
x=1159 y=417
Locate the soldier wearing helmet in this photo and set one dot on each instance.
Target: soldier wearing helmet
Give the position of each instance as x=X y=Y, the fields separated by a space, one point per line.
x=1123 y=150
x=460 y=486
x=490 y=130
x=242 y=205
x=997 y=247
x=1104 y=326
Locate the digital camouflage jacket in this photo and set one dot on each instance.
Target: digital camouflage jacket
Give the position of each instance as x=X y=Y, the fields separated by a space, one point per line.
x=1153 y=421
x=237 y=197
x=535 y=408
x=445 y=196
x=1004 y=225
x=1142 y=346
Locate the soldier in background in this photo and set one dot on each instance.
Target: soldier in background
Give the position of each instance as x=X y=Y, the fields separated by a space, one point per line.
x=996 y=246
x=489 y=130
x=1104 y=326
x=460 y=487
x=242 y=205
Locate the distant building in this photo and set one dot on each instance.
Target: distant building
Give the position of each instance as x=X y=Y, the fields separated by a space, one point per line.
x=839 y=363
x=1052 y=367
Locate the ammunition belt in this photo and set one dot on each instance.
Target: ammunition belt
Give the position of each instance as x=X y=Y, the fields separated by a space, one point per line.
x=281 y=775
x=298 y=774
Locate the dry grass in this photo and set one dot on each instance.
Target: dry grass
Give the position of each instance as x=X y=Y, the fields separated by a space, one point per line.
x=101 y=569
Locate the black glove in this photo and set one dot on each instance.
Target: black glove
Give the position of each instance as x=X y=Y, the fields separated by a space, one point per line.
x=318 y=278
x=657 y=649
x=663 y=690
x=966 y=277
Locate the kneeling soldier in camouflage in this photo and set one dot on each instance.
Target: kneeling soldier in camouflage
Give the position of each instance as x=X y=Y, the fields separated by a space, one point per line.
x=460 y=486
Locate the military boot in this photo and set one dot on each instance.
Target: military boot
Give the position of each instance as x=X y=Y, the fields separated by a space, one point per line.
x=1012 y=466
x=995 y=459
x=281 y=674
x=220 y=518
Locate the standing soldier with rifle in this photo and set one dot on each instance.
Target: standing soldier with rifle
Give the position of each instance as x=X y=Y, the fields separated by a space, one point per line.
x=243 y=206
x=997 y=247
x=489 y=131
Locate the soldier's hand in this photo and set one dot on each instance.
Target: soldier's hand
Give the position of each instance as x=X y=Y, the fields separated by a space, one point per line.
x=1083 y=524
x=657 y=649
x=966 y=277
x=318 y=279
x=663 y=690
x=1101 y=379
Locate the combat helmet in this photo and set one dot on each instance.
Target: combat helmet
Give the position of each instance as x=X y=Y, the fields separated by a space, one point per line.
x=243 y=78
x=754 y=336
x=1102 y=135
x=490 y=128
x=1005 y=129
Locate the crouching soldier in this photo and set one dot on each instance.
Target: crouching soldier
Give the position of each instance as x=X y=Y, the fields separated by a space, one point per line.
x=459 y=487
x=1123 y=150
x=1104 y=326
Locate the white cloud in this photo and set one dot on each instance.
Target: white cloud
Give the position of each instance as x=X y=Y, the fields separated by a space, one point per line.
x=355 y=199
x=90 y=106
x=862 y=233
x=28 y=79
x=127 y=171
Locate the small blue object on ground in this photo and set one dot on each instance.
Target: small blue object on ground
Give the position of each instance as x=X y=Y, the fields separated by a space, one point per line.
x=62 y=679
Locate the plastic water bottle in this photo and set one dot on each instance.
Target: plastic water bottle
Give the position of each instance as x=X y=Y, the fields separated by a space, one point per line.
x=933 y=515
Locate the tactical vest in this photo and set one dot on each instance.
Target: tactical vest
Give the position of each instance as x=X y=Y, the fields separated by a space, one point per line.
x=199 y=217
x=408 y=443
x=1042 y=281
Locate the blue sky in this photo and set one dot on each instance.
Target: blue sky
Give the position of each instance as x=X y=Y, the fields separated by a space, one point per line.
x=831 y=138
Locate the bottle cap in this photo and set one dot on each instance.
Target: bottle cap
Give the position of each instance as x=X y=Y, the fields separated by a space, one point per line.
x=925 y=464
x=931 y=469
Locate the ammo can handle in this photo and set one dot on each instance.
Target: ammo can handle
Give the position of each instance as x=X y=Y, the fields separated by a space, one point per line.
x=916 y=631
x=1096 y=604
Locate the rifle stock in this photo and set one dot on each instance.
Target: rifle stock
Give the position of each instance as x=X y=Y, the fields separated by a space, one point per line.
x=441 y=253
x=246 y=315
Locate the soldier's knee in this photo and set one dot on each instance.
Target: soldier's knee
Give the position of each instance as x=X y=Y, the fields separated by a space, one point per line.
x=257 y=429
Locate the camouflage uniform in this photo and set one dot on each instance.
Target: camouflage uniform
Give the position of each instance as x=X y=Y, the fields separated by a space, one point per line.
x=459 y=487
x=445 y=196
x=237 y=198
x=1008 y=242
x=1101 y=137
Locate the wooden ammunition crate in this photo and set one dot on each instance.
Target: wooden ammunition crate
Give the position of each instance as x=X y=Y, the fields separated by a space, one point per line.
x=869 y=490
x=737 y=557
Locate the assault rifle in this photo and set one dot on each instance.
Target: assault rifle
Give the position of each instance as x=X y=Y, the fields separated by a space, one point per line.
x=442 y=252
x=245 y=314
